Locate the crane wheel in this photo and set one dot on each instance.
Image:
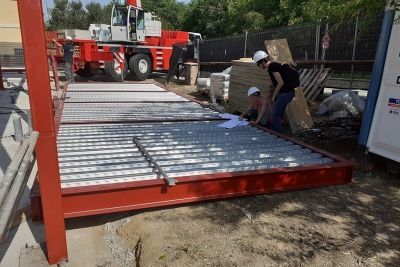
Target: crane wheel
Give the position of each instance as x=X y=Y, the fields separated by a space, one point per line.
x=140 y=66
x=85 y=73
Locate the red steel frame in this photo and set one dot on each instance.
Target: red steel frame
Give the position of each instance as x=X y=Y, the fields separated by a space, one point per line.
x=57 y=204
x=35 y=54
x=92 y=200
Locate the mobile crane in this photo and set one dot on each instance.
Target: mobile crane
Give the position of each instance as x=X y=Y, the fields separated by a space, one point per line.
x=132 y=34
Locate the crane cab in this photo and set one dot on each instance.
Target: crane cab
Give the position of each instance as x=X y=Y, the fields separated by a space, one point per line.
x=132 y=24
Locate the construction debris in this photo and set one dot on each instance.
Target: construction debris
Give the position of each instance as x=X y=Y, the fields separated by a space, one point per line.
x=326 y=131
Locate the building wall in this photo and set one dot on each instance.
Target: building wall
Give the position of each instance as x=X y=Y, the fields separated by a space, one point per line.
x=9 y=22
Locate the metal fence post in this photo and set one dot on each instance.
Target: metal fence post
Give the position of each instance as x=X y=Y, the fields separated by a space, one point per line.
x=324 y=50
x=1 y=78
x=317 y=39
x=354 y=52
x=245 y=44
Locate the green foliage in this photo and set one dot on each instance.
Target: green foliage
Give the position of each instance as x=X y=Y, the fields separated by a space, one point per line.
x=208 y=17
x=167 y=10
x=72 y=15
x=226 y=17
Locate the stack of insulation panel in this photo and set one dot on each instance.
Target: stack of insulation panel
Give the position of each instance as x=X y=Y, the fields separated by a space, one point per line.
x=219 y=86
x=243 y=76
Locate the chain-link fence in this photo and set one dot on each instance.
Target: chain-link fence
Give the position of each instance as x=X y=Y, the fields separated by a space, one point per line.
x=11 y=55
x=305 y=43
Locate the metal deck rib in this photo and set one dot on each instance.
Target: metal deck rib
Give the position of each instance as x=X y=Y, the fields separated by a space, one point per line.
x=74 y=112
x=118 y=87
x=97 y=154
x=110 y=97
x=105 y=153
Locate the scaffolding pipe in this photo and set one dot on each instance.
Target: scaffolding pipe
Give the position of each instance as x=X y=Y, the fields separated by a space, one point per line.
x=11 y=171
x=19 y=134
x=354 y=53
x=1 y=79
x=30 y=127
x=17 y=189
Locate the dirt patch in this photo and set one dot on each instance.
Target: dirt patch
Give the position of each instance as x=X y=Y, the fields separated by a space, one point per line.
x=349 y=225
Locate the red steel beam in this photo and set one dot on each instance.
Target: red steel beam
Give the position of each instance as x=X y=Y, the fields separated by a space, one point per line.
x=117 y=197
x=37 y=73
x=93 y=200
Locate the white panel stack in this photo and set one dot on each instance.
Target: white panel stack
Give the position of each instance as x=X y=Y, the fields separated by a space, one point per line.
x=203 y=85
x=219 y=86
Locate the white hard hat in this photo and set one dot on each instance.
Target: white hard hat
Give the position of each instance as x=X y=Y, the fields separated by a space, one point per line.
x=252 y=90
x=68 y=38
x=259 y=55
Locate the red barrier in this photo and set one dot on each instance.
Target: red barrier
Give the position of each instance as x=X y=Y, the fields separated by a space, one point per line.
x=54 y=68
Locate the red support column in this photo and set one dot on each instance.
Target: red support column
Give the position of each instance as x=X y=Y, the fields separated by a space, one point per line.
x=37 y=73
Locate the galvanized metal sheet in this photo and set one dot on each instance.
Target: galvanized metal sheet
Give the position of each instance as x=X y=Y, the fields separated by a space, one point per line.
x=112 y=97
x=98 y=154
x=74 y=112
x=117 y=87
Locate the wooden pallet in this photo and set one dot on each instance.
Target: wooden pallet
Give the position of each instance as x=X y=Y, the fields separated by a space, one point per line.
x=313 y=81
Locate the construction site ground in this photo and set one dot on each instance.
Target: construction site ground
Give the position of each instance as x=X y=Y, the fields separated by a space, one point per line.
x=348 y=225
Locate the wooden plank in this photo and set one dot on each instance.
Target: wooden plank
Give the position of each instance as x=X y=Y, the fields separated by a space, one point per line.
x=313 y=81
x=298 y=113
x=317 y=83
x=321 y=85
x=278 y=50
x=245 y=74
x=308 y=79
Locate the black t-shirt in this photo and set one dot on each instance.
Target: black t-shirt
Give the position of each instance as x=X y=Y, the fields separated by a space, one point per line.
x=277 y=67
x=68 y=52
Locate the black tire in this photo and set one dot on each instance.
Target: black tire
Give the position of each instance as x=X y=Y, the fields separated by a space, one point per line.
x=85 y=73
x=140 y=67
x=110 y=68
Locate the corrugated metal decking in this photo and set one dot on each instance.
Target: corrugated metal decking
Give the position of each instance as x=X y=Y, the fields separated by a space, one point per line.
x=101 y=154
x=103 y=170
x=80 y=112
x=117 y=87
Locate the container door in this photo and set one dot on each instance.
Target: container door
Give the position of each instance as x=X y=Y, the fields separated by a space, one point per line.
x=140 y=26
x=119 y=27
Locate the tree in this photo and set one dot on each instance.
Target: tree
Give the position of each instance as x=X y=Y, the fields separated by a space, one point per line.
x=72 y=15
x=168 y=11
x=76 y=16
x=58 y=15
x=94 y=13
x=208 y=17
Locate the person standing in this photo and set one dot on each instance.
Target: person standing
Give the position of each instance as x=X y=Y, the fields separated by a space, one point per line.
x=68 y=48
x=259 y=109
x=284 y=92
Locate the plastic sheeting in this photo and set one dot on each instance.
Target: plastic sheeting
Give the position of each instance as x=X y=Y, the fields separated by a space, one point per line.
x=342 y=104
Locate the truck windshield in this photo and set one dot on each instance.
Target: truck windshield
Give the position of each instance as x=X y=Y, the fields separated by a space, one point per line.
x=118 y=17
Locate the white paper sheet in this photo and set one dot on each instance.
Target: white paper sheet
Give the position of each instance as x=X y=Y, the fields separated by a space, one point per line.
x=233 y=122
